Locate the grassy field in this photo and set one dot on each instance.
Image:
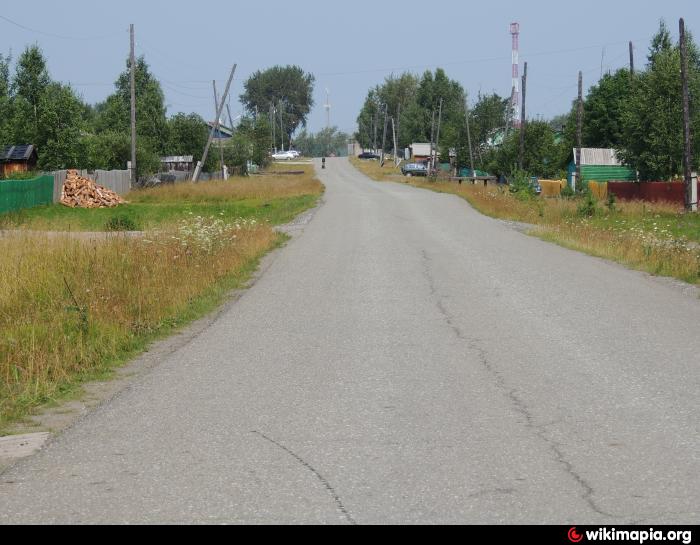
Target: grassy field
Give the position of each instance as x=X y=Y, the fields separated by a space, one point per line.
x=73 y=309
x=268 y=198
x=657 y=238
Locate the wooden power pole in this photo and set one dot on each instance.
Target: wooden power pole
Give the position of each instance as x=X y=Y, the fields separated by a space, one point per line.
x=437 y=140
x=386 y=122
x=132 y=70
x=219 y=112
x=691 y=198
x=631 y=58
x=469 y=135
x=523 y=120
x=396 y=149
x=579 y=129
x=432 y=141
x=221 y=146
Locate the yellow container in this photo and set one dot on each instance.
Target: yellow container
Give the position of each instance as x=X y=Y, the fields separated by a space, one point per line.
x=552 y=188
x=599 y=190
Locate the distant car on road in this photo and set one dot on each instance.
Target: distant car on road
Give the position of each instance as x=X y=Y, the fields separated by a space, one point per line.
x=284 y=156
x=414 y=169
x=368 y=156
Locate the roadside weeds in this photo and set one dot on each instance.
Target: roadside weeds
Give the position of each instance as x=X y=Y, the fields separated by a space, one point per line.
x=76 y=309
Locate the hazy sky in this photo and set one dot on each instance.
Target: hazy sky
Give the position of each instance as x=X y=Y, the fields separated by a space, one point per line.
x=349 y=46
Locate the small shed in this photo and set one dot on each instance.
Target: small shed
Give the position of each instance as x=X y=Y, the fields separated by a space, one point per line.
x=15 y=159
x=179 y=163
x=601 y=165
x=420 y=151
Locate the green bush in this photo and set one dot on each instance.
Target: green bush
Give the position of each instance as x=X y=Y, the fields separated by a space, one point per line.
x=588 y=206
x=521 y=186
x=121 y=223
x=567 y=192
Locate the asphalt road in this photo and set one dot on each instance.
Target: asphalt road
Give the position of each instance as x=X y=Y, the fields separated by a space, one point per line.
x=405 y=360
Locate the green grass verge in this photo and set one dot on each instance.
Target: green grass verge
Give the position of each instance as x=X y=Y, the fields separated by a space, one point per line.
x=145 y=216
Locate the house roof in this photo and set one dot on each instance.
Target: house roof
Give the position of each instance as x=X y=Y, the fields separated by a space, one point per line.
x=177 y=159
x=16 y=153
x=222 y=129
x=421 y=149
x=598 y=157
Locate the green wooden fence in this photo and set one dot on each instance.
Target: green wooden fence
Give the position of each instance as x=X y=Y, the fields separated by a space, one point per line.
x=19 y=194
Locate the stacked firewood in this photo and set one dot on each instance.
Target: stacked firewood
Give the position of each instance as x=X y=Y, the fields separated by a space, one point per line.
x=79 y=192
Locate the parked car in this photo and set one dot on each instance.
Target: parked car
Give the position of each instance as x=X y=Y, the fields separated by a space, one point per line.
x=284 y=156
x=295 y=153
x=368 y=156
x=414 y=169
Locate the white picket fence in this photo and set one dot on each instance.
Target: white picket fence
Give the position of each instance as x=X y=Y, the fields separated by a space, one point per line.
x=118 y=181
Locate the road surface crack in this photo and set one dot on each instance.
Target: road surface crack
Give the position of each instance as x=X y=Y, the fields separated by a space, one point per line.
x=540 y=430
x=321 y=478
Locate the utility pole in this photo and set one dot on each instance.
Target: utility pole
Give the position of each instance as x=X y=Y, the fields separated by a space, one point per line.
x=221 y=146
x=579 y=130
x=396 y=149
x=386 y=120
x=691 y=197
x=432 y=141
x=273 y=124
x=469 y=134
x=328 y=123
x=230 y=117
x=376 y=129
x=132 y=63
x=398 y=123
x=437 y=142
x=219 y=111
x=523 y=120
x=631 y=58
x=281 y=125
x=602 y=62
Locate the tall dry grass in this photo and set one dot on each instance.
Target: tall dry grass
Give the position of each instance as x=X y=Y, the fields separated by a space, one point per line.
x=373 y=169
x=70 y=308
x=264 y=187
x=659 y=256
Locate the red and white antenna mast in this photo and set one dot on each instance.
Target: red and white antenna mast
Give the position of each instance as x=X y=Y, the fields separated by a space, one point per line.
x=515 y=32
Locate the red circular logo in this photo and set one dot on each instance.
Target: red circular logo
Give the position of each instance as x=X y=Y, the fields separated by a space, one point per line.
x=574 y=536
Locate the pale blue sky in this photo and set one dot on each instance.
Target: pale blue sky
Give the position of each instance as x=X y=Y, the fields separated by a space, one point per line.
x=349 y=46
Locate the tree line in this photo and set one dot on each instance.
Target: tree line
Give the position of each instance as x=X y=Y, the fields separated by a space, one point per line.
x=69 y=133
x=639 y=114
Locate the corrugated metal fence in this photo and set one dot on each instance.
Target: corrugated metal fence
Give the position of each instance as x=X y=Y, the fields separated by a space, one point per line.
x=673 y=192
x=19 y=194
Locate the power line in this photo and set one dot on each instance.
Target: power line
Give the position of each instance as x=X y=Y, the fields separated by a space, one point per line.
x=470 y=61
x=60 y=37
x=175 y=63
x=174 y=90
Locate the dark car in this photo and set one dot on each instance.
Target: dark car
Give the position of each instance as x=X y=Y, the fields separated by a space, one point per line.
x=368 y=156
x=414 y=169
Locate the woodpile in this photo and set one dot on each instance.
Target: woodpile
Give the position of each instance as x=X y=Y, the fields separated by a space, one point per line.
x=79 y=192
